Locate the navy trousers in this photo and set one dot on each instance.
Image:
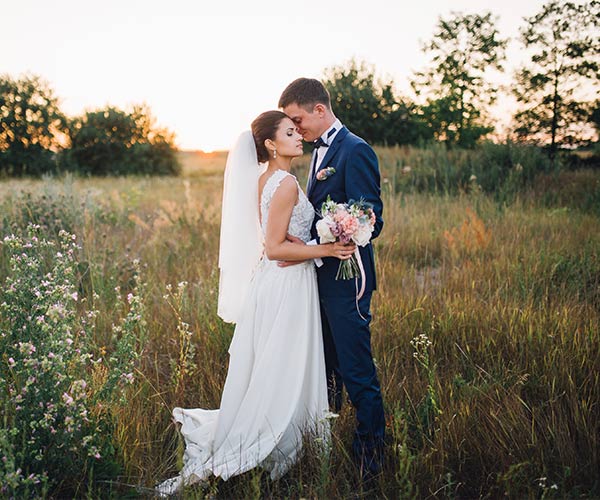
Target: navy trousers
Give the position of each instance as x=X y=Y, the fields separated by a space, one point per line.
x=349 y=363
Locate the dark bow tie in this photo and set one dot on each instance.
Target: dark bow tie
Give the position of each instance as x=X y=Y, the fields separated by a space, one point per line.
x=320 y=143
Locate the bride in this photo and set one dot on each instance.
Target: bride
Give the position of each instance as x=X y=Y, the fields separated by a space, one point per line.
x=275 y=392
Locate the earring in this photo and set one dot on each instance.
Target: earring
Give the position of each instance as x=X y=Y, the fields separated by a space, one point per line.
x=274 y=153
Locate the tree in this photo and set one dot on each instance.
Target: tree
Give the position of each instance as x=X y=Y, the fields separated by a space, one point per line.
x=463 y=49
x=368 y=107
x=111 y=141
x=563 y=40
x=595 y=116
x=31 y=126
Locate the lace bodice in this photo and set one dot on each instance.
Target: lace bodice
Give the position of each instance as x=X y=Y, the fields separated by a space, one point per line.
x=302 y=214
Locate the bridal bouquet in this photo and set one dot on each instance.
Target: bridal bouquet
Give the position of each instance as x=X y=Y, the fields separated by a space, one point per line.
x=346 y=222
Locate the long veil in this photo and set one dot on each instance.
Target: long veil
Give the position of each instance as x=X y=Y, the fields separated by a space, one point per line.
x=241 y=243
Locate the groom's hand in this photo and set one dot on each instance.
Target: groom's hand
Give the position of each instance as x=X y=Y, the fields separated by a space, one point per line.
x=293 y=239
x=296 y=241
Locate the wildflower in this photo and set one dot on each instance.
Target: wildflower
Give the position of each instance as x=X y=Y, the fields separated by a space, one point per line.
x=56 y=311
x=406 y=169
x=11 y=362
x=420 y=341
x=80 y=384
x=473 y=178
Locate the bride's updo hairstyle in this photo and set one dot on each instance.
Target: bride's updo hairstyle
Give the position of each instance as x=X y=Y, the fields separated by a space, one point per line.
x=264 y=127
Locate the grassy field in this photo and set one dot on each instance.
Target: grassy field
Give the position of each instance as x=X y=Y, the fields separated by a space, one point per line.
x=498 y=395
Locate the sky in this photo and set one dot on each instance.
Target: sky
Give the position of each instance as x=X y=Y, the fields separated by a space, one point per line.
x=206 y=68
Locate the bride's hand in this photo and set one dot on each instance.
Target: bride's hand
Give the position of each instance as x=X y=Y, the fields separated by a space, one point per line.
x=341 y=251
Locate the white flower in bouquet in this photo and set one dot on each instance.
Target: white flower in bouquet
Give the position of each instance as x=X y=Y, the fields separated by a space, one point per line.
x=362 y=236
x=324 y=229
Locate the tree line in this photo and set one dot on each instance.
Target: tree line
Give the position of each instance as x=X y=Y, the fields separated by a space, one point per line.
x=454 y=92
x=452 y=97
x=36 y=137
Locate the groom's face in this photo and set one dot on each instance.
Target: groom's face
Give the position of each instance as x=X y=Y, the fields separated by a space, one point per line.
x=310 y=123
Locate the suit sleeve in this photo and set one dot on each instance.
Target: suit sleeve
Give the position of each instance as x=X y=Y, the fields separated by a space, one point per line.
x=363 y=181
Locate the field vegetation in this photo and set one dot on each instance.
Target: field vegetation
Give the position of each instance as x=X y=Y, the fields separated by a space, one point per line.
x=485 y=331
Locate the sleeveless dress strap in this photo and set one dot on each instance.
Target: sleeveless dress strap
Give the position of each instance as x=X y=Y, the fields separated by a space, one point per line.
x=272 y=184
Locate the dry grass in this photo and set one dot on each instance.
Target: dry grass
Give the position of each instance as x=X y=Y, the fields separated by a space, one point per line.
x=200 y=164
x=508 y=295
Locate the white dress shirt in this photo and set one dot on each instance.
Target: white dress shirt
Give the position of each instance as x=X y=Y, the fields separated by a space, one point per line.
x=321 y=152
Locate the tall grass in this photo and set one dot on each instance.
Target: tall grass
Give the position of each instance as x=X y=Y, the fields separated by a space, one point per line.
x=497 y=394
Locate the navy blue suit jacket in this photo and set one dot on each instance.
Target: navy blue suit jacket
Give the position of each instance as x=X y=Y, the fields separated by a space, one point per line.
x=356 y=176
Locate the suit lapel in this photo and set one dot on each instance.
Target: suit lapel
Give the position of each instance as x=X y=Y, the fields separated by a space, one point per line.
x=309 y=180
x=331 y=151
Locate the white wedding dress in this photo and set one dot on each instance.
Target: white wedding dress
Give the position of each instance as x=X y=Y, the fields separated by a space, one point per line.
x=275 y=392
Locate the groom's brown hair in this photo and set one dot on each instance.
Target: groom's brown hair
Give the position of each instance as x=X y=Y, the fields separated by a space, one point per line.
x=305 y=92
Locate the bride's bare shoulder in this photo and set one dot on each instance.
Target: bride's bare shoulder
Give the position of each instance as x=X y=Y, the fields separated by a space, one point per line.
x=287 y=189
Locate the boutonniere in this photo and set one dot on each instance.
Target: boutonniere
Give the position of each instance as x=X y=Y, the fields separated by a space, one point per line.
x=325 y=173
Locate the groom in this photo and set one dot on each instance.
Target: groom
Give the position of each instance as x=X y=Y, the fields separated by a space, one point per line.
x=346 y=333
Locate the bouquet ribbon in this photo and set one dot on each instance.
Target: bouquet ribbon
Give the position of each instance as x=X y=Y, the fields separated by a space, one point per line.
x=363 y=279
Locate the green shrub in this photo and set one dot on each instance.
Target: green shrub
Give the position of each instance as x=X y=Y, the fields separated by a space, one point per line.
x=502 y=169
x=113 y=142
x=56 y=389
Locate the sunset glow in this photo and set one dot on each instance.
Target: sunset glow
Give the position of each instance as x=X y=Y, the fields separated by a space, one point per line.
x=207 y=70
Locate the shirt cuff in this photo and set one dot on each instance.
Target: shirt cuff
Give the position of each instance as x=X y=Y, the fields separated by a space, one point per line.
x=318 y=262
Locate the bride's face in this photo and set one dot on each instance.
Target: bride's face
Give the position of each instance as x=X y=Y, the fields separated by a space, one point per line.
x=288 y=140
